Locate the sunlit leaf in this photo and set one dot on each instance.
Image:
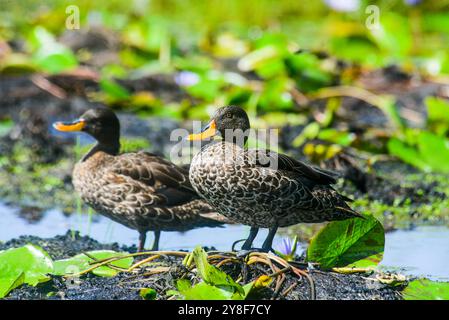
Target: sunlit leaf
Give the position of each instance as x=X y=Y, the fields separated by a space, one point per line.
x=228 y=45
x=257 y=58
x=406 y=153
x=204 y=291
x=424 y=289
x=354 y=242
x=337 y=136
x=28 y=264
x=309 y=132
x=428 y=143
x=393 y=34
x=114 y=90
x=437 y=115
x=82 y=262
x=50 y=55
x=276 y=95
x=211 y=274
x=148 y=293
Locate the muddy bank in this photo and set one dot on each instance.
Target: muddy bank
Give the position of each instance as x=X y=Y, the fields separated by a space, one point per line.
x=327 y=285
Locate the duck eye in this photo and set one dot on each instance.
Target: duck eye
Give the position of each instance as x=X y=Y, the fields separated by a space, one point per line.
x=228 y=115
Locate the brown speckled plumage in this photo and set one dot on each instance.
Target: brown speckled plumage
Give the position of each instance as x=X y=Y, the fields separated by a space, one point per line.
x=139 y=190
x=247 y=190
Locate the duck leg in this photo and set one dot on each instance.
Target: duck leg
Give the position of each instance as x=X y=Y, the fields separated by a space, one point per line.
x=252 y=235
x=157 y=235
x=268 y=243
x=142 y=238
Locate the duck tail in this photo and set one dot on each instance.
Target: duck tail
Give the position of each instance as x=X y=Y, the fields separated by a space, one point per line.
x=201 y=214
x=216 y=219
x=348 y=211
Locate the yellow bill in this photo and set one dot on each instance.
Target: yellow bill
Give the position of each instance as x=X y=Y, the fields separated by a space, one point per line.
x=209 y=131
x=77 y=125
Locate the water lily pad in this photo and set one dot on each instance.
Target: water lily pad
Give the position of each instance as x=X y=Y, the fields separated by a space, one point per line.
x=349 y=243
x=424 y=289
x=82 y=262
x=28 y=264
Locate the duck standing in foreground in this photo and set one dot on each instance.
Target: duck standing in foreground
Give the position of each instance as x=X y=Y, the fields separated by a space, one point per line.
x=139 y=190
x=246 y=188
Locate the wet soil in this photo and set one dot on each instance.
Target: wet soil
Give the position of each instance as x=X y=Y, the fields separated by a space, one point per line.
x=328 y=285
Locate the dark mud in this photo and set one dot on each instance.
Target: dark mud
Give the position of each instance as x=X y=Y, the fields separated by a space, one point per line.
x=328 y=285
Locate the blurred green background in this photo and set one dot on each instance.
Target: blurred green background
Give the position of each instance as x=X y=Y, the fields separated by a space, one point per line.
x=411 y=32
x=274 y=58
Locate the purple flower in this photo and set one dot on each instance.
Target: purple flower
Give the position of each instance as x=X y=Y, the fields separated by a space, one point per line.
x=343 y=5
x=186 y=78
x=288 y=247
x=412 y=2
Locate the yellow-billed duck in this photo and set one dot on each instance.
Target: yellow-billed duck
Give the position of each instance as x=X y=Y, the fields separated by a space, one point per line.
x=139 y=190
x=260 y=188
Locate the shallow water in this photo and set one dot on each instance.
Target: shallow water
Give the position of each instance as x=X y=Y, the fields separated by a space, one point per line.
x=423 y=251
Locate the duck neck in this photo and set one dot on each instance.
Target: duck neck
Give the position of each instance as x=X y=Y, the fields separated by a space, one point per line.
x=237 y=138
x=110 y=148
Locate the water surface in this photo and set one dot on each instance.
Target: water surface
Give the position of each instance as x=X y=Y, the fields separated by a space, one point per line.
x=422 y=251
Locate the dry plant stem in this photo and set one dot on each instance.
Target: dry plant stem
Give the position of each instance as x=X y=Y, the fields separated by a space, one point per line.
x=280 y=272
x=290 y=288
x=299 y=273
x=104 y=262
x=44 y=84
x=141 y=262
x=222 y=262
x=279 y=282
x=108 y=265
x=216 y=259
x=278 y=286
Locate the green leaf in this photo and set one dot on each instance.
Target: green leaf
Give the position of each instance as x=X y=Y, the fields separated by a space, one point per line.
x=394 y=34
x=57 y=62
x=28 y=264
x=437 y=109
x=183 y=284
x=258 y=58
x=211 y=274
x=309 y=132
x=148 y=293
x=435 y=21
x=207 y=88
x=50 y=55
x=82 y=262
x=406 y=153
x=356 y=48
x=204 y=291
x=437 y=115
x=10 y=282
x=306 y=69
x=6 y=126
x=114 y=90
x=424 y=289
x=337 y=136
x=276 y=95
x=434 y=151
x=354 y=242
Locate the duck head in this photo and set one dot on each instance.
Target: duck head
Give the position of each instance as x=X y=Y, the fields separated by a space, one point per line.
x=100 y=123
x=231 y=123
